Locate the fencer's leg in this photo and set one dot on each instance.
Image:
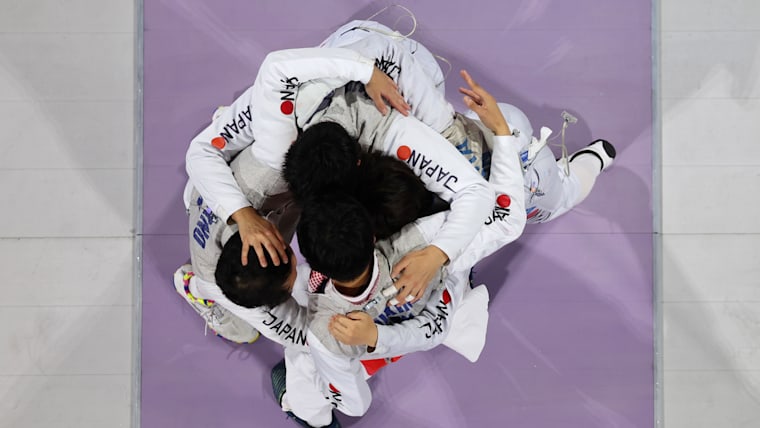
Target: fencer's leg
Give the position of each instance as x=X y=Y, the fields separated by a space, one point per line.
x=303 y=396
x=586 y=164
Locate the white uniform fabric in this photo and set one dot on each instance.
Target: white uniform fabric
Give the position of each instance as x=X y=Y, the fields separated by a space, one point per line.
x=357 y=30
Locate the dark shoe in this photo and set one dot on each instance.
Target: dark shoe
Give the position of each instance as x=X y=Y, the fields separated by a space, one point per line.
x=278 y=388
x=602 y=149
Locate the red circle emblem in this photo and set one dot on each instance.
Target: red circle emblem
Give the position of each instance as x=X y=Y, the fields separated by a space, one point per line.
x=404 y=152
x=446 y=297
x=286 y=107
x=503 y=201
x=218 y=142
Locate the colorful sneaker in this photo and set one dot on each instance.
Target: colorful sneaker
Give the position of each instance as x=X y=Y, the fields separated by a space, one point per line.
x=221 y=321
x=278 y=388
x=602 y=149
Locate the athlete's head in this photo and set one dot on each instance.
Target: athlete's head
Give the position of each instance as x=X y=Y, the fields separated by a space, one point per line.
x=324 y=157
x=335 y=236
x=392 y=193
x=252 y=286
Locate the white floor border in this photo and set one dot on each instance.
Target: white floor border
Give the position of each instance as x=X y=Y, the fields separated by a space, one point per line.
x=138 y=213
x=659 y=396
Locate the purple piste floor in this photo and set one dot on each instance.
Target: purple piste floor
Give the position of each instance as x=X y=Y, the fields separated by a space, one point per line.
x=570 y=339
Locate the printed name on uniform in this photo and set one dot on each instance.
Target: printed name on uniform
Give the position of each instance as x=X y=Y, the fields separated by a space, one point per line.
x=282 y=328
x=435 y=326
x=240 y=122
x=335 y=396
x=499 y=214
x=288 y=94
x=202 y=229
x=421 y=164
x=388 y=65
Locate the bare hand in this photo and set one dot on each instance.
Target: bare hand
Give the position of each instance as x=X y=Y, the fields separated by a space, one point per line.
x=484 y=105
x=415 y=271
x=257 y=233
x=381 y=87
x=354 y=329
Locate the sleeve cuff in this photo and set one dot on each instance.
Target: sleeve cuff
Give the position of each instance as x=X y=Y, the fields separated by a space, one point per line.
x=382 y=346
x=506 y=140
x=224 y=213
x=366 y=73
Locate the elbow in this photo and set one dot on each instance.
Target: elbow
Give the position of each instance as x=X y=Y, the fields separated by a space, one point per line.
x=195 y=153
x=188 y=161
x=270 y=57
x=517 y=222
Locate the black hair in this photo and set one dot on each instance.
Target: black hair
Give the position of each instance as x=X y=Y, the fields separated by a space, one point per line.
x=251 y=286
x=335 y=236
x=393 y=194
x=323 y=158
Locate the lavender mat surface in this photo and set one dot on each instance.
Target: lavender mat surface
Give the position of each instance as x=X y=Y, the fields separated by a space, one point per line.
x=570 y=338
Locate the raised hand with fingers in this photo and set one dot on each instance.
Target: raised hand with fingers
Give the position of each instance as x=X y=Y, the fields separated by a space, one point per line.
x=354 y=329
x=261 y=235
x=381 y=88
x=415 y=271
x=484 y=105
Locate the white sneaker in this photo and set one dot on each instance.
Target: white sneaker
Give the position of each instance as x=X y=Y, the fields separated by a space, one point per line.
x=221 y=321
x=602 y=149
